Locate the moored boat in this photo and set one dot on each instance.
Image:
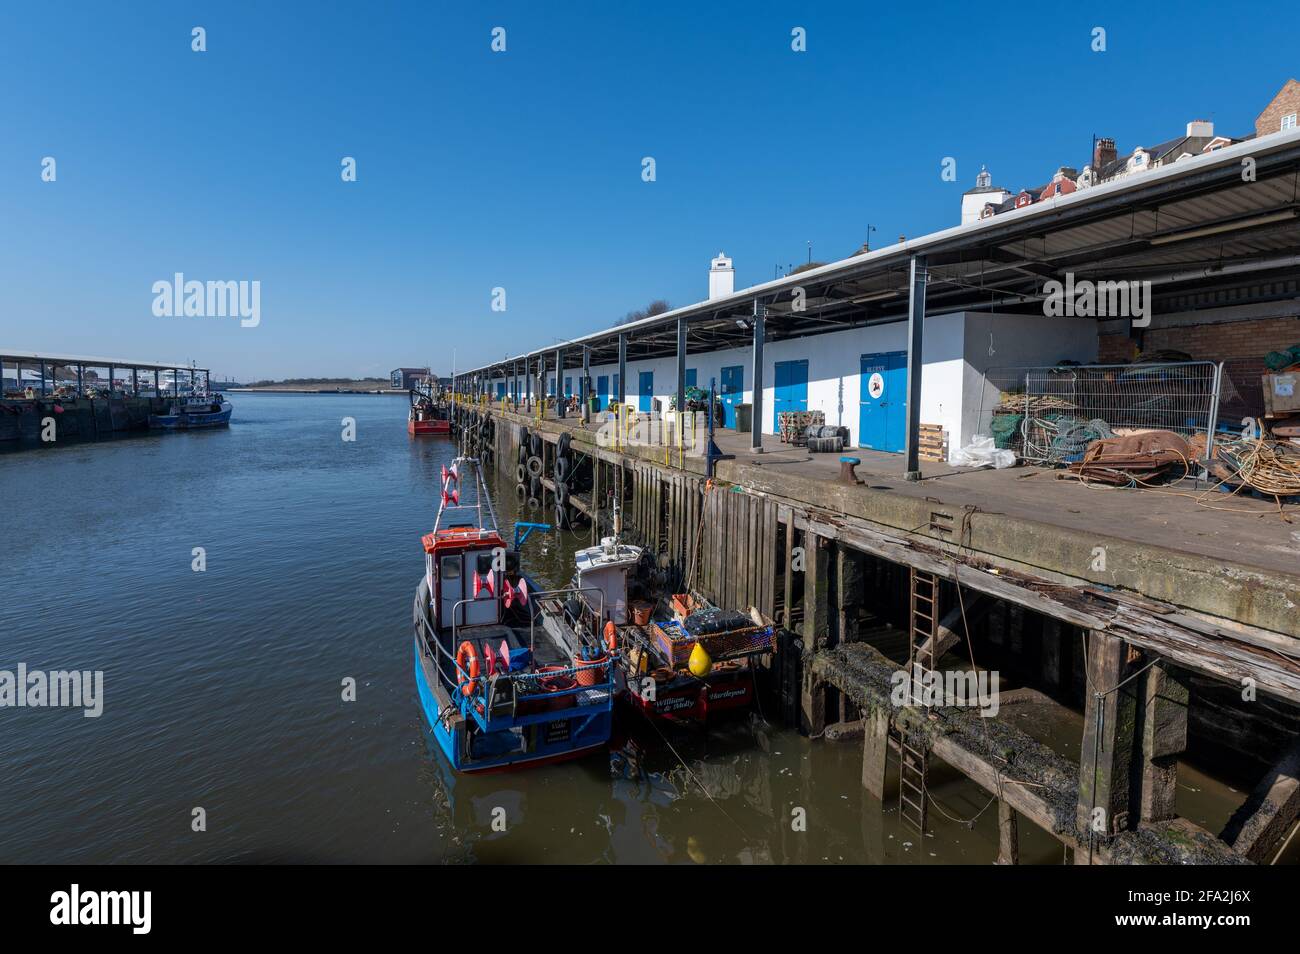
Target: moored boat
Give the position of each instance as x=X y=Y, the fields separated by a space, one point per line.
x=681 y=658
x=198 y=410
x=427 y=414
x=499 y=670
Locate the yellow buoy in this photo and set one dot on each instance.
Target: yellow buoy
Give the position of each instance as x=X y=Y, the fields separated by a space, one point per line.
x=700 y=662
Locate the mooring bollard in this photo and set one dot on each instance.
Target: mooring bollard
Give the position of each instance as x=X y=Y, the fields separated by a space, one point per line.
x=847 y=473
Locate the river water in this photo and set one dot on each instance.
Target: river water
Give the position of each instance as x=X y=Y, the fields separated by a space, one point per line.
x=223 y=689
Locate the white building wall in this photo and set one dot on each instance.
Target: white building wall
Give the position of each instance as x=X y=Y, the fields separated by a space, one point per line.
x=998 y=343
x=958 y=350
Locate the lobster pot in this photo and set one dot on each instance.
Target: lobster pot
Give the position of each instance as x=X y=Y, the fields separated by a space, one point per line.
x=675 y=642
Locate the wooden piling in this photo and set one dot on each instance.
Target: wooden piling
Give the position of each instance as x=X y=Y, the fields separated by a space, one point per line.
x=816 y=630
x=1163 y=716
x=1109 y=738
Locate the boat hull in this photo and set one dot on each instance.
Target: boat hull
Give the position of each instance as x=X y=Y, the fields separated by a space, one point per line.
x=190 y=421
x=428 y=428
x=548 y=743
x=687 y=699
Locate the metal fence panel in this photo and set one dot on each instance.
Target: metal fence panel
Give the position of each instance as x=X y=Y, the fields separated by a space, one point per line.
x=1051 y=414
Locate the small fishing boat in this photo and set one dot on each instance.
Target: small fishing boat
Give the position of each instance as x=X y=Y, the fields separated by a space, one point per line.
x=197 y=410
x=680 y=658
x=427 y=415
x=499 y=665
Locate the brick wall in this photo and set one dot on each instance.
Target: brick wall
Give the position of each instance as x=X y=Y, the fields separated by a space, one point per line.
x=1286 y=102
x=1241 y=345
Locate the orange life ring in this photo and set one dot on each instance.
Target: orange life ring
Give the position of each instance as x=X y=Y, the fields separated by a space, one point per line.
x=472 y=667
x=611 y=636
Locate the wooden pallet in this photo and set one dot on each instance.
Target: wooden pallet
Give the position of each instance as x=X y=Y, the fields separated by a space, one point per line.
x=933 y=443
x=792 y=424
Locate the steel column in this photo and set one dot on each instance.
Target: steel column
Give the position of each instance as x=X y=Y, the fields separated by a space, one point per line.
x=681 y=372
x=756 y=409
x=622 y=368
x=915 y=334
x=584 y=394
x=559 y=382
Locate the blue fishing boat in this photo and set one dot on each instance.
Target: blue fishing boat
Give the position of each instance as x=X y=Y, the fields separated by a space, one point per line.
x=194 y=411
x=507 y=675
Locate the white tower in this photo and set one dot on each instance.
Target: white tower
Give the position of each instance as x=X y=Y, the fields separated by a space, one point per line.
x=985 y=192
x=722 y=277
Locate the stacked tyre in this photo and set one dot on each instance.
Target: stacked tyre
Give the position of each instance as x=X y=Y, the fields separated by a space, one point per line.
x=562 y=474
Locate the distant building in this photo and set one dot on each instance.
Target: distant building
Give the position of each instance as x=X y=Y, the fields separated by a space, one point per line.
x=985 y=193
x=404 y=379
x=1280 y=115
x=1107 y=165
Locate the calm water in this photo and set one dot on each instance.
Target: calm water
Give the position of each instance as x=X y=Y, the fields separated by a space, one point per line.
x=223 y=688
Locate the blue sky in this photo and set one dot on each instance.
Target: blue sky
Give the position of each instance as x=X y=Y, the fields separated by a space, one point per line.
x=522 y=169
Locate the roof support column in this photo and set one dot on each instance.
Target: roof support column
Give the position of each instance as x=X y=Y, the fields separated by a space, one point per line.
x=585 y=388
x=756 y=415
x=559 y=383
x=43 y=389
x=622 y=368
x=81 y=379
x=681 y=373
x=915 y=334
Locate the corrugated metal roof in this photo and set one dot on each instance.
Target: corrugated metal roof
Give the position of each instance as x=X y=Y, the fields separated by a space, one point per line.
x=1104 y=225
x=10 y=357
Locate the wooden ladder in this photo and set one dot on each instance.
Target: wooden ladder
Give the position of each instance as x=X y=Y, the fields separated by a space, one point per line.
x=914 y=762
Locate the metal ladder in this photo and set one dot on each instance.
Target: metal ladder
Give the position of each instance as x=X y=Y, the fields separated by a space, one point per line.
x=914 y=763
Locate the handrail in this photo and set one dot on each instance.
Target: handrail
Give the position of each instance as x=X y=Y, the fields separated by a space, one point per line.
x=430 y=638
x=532 y=623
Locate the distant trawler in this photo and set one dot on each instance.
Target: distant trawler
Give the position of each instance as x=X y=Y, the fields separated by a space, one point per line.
x=197 y=410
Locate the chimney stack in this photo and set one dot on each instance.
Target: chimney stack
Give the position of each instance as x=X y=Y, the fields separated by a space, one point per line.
x=722 y=277
x=1103 y=154
x=1200 y=127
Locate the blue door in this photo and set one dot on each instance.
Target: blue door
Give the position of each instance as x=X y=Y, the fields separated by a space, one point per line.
x=550 y=386
x=646 y=391
x=602 y=389
x=613 y=394
x=568 y=387
x=732 y=392
x=882 y=415
x=690 y=377
x=501 y=389
x=791 y=391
